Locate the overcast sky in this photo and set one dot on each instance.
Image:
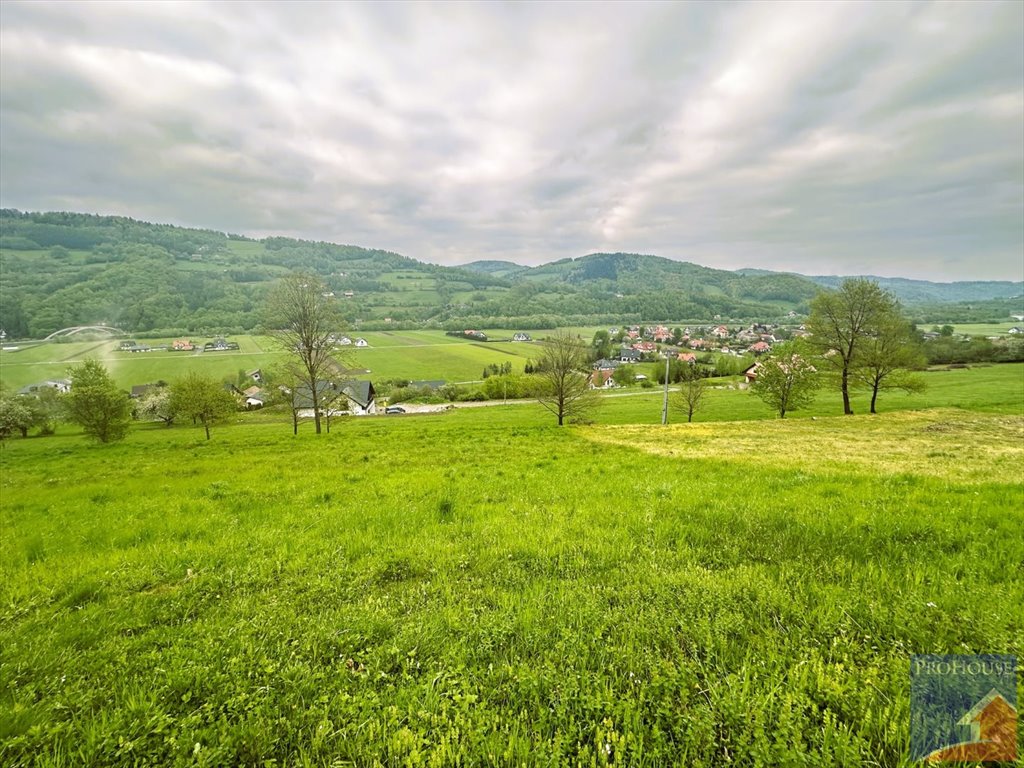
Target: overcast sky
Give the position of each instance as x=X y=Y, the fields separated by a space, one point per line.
x=834 y=138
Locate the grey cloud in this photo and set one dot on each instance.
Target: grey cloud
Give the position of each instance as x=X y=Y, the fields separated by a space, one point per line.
x=826 y=138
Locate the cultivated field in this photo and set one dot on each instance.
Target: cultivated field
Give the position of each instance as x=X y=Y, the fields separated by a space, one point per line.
x=479 y=587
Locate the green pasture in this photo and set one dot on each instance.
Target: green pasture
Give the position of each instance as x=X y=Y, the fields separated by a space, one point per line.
x=480 y=587
x=983 y=329
x=399 y=354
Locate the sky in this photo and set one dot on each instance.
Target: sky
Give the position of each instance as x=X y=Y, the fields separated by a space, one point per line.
x=833 y=138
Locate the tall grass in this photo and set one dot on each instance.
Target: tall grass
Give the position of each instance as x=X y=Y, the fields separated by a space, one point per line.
x=481 y=588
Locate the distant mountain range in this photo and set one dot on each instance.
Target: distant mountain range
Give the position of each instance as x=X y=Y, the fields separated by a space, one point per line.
x=63 y=269
x=603 y=266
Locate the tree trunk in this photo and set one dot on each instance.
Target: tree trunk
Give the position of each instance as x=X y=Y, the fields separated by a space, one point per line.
x=206 y=425
x=689 y=416
x=316 y=411
x=560 y=417
x=874 y=397
x=295 y=421
x=847 y=410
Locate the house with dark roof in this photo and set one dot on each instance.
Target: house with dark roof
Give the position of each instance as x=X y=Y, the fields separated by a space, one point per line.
x=629 y=355
x=359 y=398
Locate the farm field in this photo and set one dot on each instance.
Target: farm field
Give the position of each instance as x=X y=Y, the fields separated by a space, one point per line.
x=399 y=354
x=481 y=587
x=986 y=329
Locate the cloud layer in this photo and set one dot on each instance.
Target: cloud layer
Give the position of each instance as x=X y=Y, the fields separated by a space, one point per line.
x=855 y=138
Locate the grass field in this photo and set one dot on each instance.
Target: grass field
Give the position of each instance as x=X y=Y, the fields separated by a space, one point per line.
x=399 y=354
x=986 y=329
x=480 y=587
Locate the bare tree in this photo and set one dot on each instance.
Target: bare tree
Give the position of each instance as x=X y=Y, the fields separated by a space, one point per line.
x=690 y=397
x=564 y=367
x=303 y=316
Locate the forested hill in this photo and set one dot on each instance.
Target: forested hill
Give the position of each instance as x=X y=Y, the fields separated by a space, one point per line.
x=64 y=269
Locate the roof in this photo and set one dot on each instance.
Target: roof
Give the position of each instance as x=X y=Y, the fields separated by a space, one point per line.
x=431 y=383
x=360 y=392
x=993 y=699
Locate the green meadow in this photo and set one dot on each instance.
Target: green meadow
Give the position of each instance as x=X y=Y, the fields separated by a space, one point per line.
x=398 y=354
x=480 y=587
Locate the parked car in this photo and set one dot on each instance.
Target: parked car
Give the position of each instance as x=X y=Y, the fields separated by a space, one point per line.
x=394 y=409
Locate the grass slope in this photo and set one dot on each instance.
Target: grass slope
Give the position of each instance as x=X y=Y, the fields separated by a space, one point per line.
x=480 y=587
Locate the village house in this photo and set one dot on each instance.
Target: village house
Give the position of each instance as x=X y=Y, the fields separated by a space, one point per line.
x=520 y=336
x=254 y=398
x=759 y=348
x=61 y=385
x=720 y=332
x=602 y=379
x=628 y=355
x=359 y=397
x=361 y=342
x=686 y=357
x=182 y=345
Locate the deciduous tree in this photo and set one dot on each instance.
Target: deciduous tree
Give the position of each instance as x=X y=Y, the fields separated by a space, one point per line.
x=786 y=380
x=690 y=397
x=202 y=399
x=15 y=416
x=96 y=404
x=564 y=367
x=842 y=321
x=302 y=314
x=157 y=404
x=888 y=357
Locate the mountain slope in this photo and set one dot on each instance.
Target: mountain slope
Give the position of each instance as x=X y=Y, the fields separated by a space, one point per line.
x=64 y=269
x=911 y=291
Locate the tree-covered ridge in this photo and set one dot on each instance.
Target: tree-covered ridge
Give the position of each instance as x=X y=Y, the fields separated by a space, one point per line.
x=64 y=269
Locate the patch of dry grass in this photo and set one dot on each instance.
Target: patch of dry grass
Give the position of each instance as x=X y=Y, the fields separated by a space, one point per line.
x=959 y=446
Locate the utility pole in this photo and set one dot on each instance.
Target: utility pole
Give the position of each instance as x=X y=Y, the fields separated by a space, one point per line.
x=664 y=405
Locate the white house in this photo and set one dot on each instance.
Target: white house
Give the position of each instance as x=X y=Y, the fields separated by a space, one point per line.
x=362 y=342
